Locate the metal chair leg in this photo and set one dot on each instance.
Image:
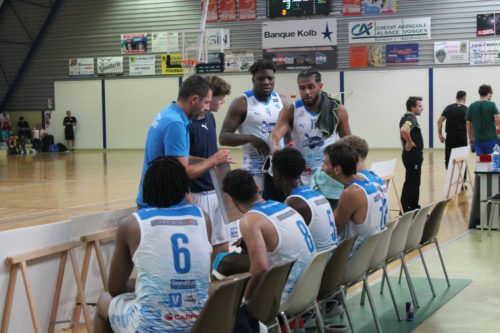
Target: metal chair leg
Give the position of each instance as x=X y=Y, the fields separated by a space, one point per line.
x=382 y=284
x=344 y=303
x=285 y=322
x=362 y=300
x=372 y=305
x=442 y=263
x=427 y=272
x=319 y=319
x=400 y=272
x=410 y=283
x=386 y=276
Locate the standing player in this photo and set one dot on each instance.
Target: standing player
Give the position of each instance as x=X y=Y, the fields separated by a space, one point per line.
x=203 y=144
x=288 y=165
x=315 y=120
x=168 y=243
x=254 y=115
x=69 y=123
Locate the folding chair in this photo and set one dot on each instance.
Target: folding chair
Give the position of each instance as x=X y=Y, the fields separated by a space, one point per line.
x=21 y=261
x=219 y=313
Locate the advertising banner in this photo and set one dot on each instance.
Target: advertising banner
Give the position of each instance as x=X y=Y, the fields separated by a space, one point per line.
x=110 y=65
x=401 y=54
x=358 y=56
x=375 y=56
x=142 y=65
x=227 y=10
x=218 y=39
x=488 y=24
x=134 y=43
x=81 y=66
x=454 y=52
x=318 y=58
x=164 y=42
x=371 y=7
x=485 y=52
x=351 y=7
x=238 y=61
x=299 y=33
x=212 y=15
x=247 y=10
x=170 y=64
x=395 y=30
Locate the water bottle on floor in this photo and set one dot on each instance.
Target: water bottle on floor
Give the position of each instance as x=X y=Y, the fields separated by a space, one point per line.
x=495 y=158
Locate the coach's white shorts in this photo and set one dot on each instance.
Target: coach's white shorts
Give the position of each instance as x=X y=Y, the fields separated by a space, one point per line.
x=123 y=313
x=209 y=202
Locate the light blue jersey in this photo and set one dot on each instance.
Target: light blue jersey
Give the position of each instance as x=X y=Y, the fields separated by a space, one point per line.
x=295 y=242
x=322 y=225
x=173 y=268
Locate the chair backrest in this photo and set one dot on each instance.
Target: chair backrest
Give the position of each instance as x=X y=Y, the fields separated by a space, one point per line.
x=306 y=290
x=417 y=227
x=431 y=228
x=399 y=235
x=335 y=269
x=219 y=312
x=360 y=260
x=264 y=304
x=380 y=253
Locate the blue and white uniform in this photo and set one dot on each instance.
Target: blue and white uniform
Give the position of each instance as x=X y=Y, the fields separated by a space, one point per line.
x=376 y=214
x=173 y=268
x=295 y=242
x=380 y=184
x=168 y=135
x=260 y=121
x=322 y=225
x=308 y=139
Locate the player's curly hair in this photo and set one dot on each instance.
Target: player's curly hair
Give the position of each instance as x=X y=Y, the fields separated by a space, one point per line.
x=240 y=186
x=262 y=64
x=289 y=163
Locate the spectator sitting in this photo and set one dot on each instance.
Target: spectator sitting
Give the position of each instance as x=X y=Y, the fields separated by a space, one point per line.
x=12 y=145
x=37 y=135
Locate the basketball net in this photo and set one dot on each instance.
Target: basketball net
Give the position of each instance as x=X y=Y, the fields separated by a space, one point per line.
x=194 y=54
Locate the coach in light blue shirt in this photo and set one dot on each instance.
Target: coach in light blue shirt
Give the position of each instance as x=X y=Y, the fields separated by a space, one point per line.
x=168 y=135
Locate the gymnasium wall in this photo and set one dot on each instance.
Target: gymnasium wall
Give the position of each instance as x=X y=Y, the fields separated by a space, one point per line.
x=375 y=101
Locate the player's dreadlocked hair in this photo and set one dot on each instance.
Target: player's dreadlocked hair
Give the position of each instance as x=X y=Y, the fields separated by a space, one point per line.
x=165 y=183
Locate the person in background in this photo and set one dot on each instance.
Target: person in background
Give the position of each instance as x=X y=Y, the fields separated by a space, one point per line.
x=69 y=123
x=23 y=133
x=454 y=118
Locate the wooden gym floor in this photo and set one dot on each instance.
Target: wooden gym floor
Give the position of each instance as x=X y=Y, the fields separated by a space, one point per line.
x=53 y=187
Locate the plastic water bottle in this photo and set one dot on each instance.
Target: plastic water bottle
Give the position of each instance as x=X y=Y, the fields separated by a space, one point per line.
x=495 y=158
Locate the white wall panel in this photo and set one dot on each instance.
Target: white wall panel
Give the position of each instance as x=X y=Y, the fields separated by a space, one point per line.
x=377 y=100
x=83 y=99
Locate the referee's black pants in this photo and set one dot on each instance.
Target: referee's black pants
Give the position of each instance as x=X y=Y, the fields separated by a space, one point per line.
x=412 y=161
x=453 y=140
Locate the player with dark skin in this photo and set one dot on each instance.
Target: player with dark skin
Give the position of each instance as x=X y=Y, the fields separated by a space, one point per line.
x=263 y=85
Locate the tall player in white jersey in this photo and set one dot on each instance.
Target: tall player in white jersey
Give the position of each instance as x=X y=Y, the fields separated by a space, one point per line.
x=273 y=232
x=253 y=115
x=288 y=164
x=362 y=208
x=169 y=245
x=315 y=121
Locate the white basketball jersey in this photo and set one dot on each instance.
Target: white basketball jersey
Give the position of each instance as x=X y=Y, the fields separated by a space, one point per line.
x=381 y=186
x=376 y=214
x=260 y=121
x=295 y=242
x=307 y=138
x=322 y=225
x=173 y=267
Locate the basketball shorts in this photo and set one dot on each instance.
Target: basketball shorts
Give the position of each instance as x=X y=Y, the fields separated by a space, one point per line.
x=123 y=313
x=209 y=203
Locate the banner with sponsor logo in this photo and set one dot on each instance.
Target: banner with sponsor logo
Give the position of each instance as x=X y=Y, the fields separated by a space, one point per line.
x=81 y=66
x=238 y=61
x=142 y=65
x=170 y=64
x=454 y=52
x=212 y=15
x=134 y=43
x=401 y=54
x=375 y=55
x=299 y=33
x=109 y=65
x=351 y=7
x=164 y=42
x=358 y=56
x=395 y=30
x=303 y=58
x=485 y=52
x=247 y=10
x=218 y=39
x=488 y=24
x=227 y=10
x=380 y=6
